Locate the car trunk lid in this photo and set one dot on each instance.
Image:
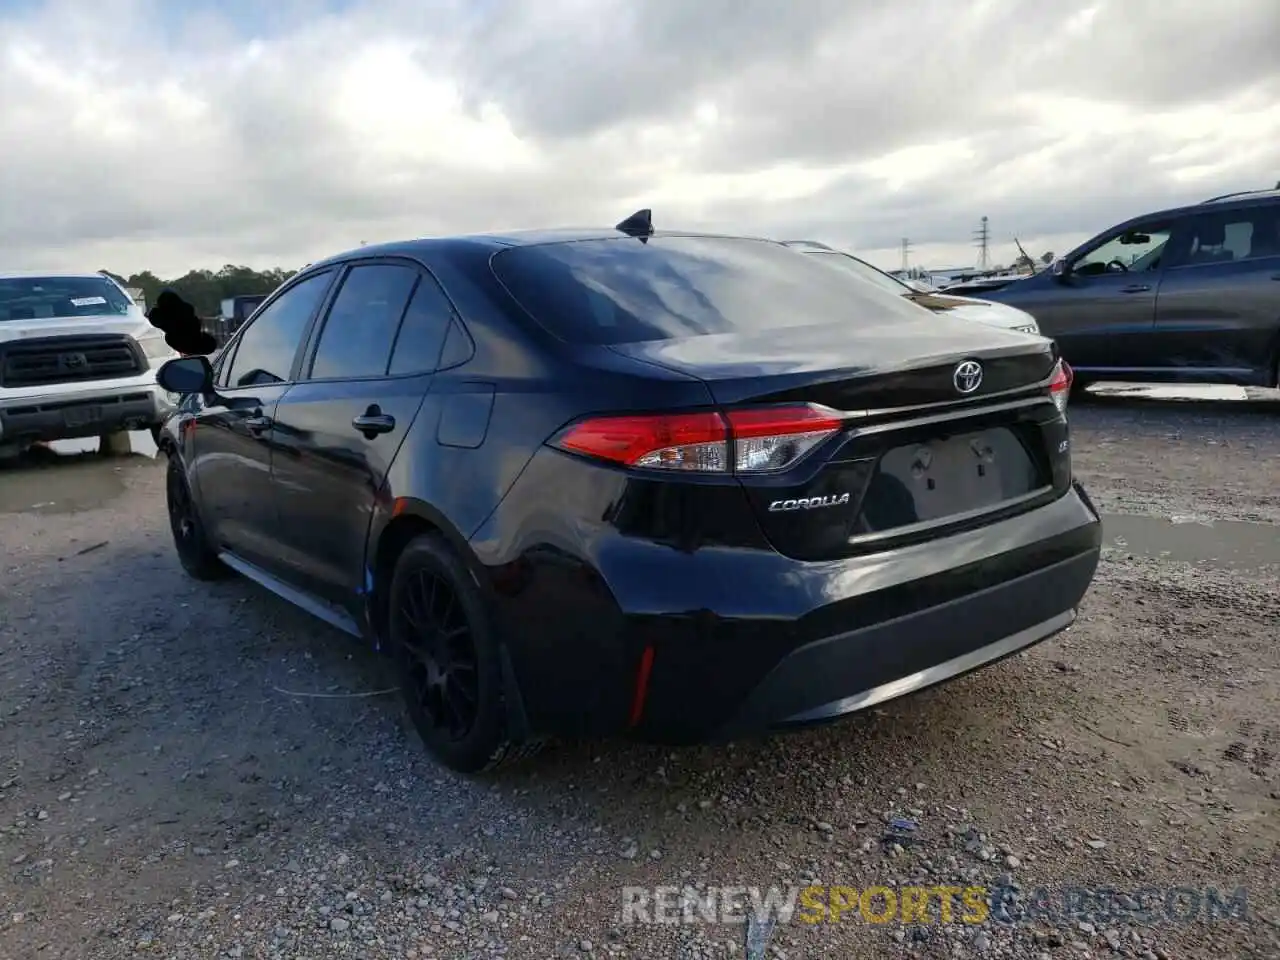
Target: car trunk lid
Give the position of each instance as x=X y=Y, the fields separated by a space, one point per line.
x=918 y=454
x=877 y=367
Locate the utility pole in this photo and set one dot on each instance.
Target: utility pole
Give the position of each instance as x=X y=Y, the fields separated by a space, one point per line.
x=906 y=254
x=982 y=238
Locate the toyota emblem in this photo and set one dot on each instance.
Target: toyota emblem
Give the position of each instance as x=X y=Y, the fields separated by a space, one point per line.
x=967 y=376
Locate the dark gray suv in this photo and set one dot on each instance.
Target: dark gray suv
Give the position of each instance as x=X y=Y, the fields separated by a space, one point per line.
x=1185 y=295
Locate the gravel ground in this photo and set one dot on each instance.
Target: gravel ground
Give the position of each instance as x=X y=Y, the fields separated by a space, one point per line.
x=192 y=770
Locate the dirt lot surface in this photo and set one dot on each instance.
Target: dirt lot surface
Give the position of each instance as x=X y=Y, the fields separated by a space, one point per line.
x=192 y=770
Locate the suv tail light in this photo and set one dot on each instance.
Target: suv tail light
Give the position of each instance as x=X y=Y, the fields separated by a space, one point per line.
x=1060 y=385
x=753 y=440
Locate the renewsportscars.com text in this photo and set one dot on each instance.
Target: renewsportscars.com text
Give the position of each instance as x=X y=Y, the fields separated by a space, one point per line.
x=928 y=904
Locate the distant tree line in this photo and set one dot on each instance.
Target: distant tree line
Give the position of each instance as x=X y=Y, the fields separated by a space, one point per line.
x=206 y=289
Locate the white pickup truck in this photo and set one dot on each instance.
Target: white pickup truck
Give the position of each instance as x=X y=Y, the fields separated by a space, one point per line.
x=78 y=358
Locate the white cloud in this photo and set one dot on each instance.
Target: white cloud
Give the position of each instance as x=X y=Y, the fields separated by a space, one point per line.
x=139 y=134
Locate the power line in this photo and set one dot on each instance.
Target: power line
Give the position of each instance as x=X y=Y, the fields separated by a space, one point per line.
x=982 y=238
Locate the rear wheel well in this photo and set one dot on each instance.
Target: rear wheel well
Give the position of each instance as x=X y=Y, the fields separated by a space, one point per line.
x=397 y=535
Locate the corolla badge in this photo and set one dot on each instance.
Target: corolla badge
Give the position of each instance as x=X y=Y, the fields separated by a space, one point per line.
x=808 y=503
x=967 y=376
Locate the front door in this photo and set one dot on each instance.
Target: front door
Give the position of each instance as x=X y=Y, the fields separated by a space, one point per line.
x=231 y=466
x=338 y=429
x=1102 y=312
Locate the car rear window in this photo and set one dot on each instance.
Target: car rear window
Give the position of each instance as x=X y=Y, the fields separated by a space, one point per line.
x=622 y=290
x=47 y=298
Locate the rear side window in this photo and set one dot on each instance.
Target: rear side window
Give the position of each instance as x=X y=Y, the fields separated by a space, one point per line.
x=1229 y=237
x=624 y=291
x=361 y=327
x=422 y=333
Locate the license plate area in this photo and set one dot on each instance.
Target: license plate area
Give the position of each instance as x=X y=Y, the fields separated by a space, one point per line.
x=947 y=476
x=80 y=416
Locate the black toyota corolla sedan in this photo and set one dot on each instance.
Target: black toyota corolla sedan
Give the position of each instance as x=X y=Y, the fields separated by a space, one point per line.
x=584 y=483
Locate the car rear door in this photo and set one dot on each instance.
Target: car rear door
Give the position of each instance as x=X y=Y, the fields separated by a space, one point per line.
x=337 y=430
x=1218 y=310
x=232 y=446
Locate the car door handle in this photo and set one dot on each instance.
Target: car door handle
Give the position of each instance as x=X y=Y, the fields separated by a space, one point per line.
x=258 y=424
x=1136 y=288
x=373 y=422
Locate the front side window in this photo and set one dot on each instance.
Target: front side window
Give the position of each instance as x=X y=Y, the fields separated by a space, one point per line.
x=54 y=298
x=1136 y=250
x=362 y=323
x=221 y=366
x=266 y=350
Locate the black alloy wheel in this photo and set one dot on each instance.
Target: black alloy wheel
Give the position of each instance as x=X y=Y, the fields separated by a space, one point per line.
x=194 y=551
x=447 y=659
x=440 y=654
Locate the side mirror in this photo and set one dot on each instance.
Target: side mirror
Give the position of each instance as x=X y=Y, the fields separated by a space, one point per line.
x=1060 y=269
x=186 y=375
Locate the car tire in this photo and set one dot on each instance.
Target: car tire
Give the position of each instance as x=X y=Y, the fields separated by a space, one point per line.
x=195 y=552
x=448 y=660
x=115 y=444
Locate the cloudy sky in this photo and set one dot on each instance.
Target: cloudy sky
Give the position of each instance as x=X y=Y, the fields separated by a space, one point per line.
x=171 y=134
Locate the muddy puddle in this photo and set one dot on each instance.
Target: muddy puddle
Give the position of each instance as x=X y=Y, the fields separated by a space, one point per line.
x=68 y=476
x=1228 y=544
x=1203 y=393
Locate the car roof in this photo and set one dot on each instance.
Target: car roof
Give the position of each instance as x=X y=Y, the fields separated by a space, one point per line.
x=51 y=275
x=812 y=246
x=1246 y=195
x=1242 y=198
x=505 y=240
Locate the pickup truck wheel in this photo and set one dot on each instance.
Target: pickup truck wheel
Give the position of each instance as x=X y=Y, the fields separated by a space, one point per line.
x=115 y=444
x=195 y=553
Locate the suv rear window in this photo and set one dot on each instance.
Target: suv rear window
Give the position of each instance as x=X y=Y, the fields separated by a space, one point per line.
x=44 y=298
x=620 y=290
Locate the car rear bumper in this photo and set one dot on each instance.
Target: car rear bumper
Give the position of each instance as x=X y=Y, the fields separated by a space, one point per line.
x=86 y=413
x=843 y=674
x=683 y=647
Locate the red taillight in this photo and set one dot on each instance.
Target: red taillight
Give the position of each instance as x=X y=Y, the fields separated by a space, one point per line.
x=1060 y=385
x=758 y=440
x=682 y=441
